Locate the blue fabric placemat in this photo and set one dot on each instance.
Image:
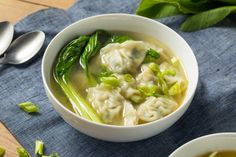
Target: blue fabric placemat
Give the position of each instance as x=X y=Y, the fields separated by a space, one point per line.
x=212 y=110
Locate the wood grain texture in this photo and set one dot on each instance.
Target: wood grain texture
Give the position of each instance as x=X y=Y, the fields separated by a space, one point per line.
x=8 y=142
x=63 y=4
x=14 y=10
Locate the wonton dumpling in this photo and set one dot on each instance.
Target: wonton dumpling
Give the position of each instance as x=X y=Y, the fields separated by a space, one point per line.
x=129 y=114
x=146 y=77
x=107 y=102
x=127 y=89
x=170 y=80
x=124 y=57
x=155 y=108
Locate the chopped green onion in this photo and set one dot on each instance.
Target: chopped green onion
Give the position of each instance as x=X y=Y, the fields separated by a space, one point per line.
x=128 y=78
x=174 y=61
x=111 y=80
x=162 y=83
x=29 y=107
x=178 y=87
x=22 y=152
x=104 y=72
x=151 y=56
x=169 y=72
x=38 y=148
x=175 y=89
x=148 y=90
x=2 y=152
x=154 y=67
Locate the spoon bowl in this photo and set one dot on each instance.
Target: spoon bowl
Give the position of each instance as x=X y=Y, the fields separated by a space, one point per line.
x=6 y=35
x=23 y=48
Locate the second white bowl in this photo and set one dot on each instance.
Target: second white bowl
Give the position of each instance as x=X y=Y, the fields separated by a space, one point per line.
x=207 y=144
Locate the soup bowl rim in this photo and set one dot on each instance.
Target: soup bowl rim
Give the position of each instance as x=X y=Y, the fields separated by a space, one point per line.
x=222 y=135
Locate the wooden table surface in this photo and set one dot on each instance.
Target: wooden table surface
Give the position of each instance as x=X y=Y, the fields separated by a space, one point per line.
x=13 y=11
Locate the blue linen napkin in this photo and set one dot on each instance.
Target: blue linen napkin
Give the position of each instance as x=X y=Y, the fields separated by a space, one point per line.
x=212 y=110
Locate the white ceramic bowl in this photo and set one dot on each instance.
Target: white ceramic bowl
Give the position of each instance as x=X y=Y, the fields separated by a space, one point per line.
x=131 y=23
x=206 y=144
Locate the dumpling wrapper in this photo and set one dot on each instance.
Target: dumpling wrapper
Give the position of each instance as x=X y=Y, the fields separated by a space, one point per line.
x=155 y=108
x=107 y=102
x=127 y=89
x=130 y=115
x=146 y=77
x=125 y=57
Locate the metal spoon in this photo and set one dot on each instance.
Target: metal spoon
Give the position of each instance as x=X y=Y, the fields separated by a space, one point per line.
x=6 y=35
x=23 y=48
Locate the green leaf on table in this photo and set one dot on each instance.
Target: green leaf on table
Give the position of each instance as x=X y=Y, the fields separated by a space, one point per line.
x=207 y=18
x=22 y=152
x=164 y=8
x=227 y=1
x=2 y=152
x=29 y=107
x=158 y=11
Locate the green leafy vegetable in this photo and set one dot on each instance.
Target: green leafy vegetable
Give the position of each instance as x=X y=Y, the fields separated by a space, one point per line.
x=207 y=18
x=29 y=107
x=128 y=78
x=2 y=152
x=163 y=85
x=69 y=55
x=227 y=1
x=151 y=56
x=105 y=72
x=38 y=148
x=148 y=90
x=154 y=67
x=163 y=8
x=174 y=90
x=118 y=39
x=95 y=43
x=204 y=13
x=22 y=152
x=168 y=72
x=111 y=80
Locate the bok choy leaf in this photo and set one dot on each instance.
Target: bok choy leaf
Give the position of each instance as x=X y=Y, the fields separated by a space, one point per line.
x=69 y=55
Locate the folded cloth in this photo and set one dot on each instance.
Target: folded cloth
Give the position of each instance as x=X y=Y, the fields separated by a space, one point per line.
x=212 y=110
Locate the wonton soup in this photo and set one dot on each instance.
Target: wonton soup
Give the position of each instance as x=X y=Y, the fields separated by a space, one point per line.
x=119 y=78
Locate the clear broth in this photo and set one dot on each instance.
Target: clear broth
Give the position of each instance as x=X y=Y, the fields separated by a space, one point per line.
x=222 y=154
